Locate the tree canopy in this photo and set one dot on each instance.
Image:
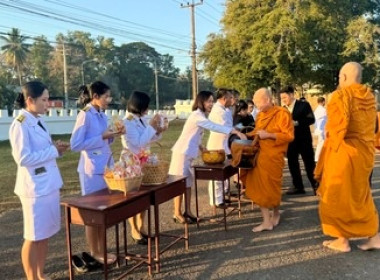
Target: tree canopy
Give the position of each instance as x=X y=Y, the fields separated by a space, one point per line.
x=273 y=43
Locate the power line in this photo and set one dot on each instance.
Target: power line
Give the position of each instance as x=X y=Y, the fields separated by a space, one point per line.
x=86 y=23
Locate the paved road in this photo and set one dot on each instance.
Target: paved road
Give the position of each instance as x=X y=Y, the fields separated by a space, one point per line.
x=292 y=251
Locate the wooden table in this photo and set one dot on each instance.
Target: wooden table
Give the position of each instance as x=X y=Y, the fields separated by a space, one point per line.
x=174 y=186
x=104 y=209
x=215 y=172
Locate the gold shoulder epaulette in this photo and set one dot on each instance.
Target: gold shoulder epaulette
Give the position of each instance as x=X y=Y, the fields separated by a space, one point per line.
x=21 y=118
x=130 y=117
x=85 y=109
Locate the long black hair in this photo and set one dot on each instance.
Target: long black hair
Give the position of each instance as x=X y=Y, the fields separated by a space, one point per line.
x=201 y=98
x=33 y=89
x=138 y=102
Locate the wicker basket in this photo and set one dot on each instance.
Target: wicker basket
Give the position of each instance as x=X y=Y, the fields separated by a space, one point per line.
x=124 y=185
x=154 y=174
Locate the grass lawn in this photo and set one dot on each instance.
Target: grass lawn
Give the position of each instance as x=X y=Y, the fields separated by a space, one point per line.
x=68 y=165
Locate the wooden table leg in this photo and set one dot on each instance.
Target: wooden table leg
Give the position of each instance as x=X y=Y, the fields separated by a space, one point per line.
x=117 y=245
x=196 y=196
x=104 y=241
x=149 y=244
x=157 y=237
x=125 y=241
x=68 y=241
x=224 y=209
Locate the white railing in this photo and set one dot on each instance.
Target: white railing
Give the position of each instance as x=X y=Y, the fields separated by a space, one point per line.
x=61 y=121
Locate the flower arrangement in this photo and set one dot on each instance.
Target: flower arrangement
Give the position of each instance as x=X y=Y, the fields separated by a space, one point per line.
x=145 y=156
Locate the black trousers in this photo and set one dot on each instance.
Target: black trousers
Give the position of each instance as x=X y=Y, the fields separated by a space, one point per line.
x=305 y=149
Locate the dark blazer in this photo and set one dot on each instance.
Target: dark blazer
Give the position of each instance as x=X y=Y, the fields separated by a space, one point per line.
x=303 y=113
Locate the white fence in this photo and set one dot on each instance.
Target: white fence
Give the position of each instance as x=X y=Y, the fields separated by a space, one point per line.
x=61 y=121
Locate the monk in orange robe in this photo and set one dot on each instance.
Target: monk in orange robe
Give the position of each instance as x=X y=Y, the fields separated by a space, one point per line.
x=346 y=206
x=275 y=129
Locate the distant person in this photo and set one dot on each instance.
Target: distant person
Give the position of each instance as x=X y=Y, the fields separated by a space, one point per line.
x=263 y=182
x=346 y=206
x=302 y=144
x=38 y=178
x=320 y=122
x=252 y=109
x=242 y=118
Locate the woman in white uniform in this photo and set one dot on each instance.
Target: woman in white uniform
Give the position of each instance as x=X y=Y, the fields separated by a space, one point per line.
x=187 y=146
x=92 y=138
x=140 y=135
x=38 y=178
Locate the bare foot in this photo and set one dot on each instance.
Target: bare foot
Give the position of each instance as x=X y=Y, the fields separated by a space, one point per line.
x=373 y=243
x=111 y=258
x=337 y=245
x=262 y=227
x=275 y=219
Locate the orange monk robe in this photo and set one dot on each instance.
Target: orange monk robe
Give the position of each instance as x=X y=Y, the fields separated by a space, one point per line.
x=263 y=182
x=346 y=207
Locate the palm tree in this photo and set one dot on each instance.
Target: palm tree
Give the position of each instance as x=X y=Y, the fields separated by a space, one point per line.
x=15 y=50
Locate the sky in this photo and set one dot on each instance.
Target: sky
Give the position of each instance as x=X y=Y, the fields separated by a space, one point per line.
x=163 y=24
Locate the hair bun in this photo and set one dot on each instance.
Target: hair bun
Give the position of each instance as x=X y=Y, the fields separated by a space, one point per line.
x=20 y=101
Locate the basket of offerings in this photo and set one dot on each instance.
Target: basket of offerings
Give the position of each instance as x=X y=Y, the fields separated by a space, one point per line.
x=125 y=175
x=155 y=171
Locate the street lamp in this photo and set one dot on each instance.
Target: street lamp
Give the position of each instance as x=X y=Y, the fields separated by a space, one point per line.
x=83 y=63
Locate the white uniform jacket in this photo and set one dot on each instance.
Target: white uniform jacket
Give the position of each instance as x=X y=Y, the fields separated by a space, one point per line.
x=87 y=139
x=35 y=155
x=139 y=133
x=219 y=115
x=320 y=120
x=191 y=136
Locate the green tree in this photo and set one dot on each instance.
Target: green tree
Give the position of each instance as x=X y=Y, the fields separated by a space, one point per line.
x=272 y=43
x=15 y=50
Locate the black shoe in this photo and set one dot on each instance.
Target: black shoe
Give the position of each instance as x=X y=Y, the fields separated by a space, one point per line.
x=90 y=261
x=190 y=219
x=227 y=201
x=221 y=206
x=142 y=241
x=79 y=265
x=144 y=235
x=295 y=191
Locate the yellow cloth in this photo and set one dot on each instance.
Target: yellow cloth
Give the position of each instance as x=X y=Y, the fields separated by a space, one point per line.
x=377 y=134
x=263 y=183
x=346 y=207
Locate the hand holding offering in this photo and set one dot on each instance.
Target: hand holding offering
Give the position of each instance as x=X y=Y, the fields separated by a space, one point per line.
x=117 y=125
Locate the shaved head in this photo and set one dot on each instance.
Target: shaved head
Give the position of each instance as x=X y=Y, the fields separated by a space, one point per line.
x=262 y=99
x=350 y=73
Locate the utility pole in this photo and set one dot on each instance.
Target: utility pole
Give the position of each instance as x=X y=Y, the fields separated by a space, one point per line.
x=65 y=84
x=156 y=85
x=193 y=53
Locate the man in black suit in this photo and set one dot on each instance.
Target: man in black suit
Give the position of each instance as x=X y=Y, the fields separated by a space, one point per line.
x=302 y=145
